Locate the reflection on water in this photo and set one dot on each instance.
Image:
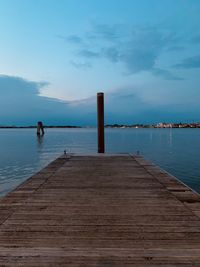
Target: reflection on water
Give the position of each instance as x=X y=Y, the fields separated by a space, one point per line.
x=40 y=139
x=23 y=152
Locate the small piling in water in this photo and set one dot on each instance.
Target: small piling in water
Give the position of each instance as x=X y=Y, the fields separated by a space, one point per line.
x=40 y=128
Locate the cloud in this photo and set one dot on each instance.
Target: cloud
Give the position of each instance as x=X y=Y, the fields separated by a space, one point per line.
x=175 y=48
x=189 y=63
x=136 y=48
x=88 y=53
x=81 y=65
x=125 y=105
x=108 y=32
x=10 y=84
x=112 y=54
x=21 y=104
x=137 y=60
x=73 y=39
x=121 y=106
x=195 y=39
x=167 y=75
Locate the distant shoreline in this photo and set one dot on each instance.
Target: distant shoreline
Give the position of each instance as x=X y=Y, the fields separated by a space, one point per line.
x=159 y=125
x=34 y=127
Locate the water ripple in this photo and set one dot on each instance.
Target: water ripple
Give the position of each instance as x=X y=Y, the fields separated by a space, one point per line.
x=22 y=153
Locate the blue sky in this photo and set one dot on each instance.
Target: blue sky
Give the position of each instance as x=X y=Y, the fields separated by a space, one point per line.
x=56 y=55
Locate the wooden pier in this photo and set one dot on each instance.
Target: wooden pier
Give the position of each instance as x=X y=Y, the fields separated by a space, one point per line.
x=100 y=211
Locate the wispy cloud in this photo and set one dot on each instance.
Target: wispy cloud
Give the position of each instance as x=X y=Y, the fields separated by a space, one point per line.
x=167 y=75
x=111 y=53
x=137 y=48
x=107 y=32
x=73 y=39
x=175 y=48
x=189 y=63
x=88 y=53
x=81 y=65
x=195 y=39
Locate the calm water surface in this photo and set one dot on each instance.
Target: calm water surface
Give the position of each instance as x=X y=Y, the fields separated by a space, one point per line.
x=22 y=153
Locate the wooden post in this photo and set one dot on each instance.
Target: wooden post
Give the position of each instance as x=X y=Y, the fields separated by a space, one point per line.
x=100 y=117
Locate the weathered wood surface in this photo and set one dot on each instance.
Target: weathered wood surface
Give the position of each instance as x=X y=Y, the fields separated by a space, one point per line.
x=100 y=211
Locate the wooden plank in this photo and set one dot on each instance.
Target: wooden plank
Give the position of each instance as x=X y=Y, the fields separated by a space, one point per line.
x=102 y=211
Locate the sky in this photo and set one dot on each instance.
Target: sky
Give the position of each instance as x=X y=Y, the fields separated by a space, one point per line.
x=56 y=55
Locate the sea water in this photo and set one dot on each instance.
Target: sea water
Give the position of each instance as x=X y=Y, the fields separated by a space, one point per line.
x=22 y=153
